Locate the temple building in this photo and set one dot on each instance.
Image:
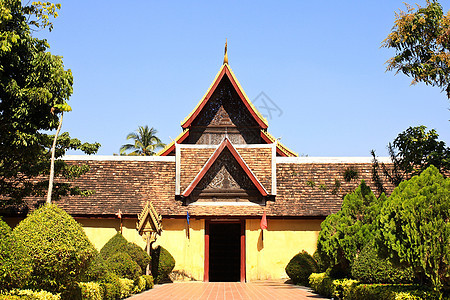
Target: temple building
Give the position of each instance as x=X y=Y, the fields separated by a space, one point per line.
x=215 y=186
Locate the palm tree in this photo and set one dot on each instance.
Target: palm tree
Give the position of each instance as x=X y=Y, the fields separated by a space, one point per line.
x=145 y=142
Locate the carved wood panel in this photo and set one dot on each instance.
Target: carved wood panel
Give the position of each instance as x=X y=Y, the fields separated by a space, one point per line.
x=226 y=115
x=225 y=174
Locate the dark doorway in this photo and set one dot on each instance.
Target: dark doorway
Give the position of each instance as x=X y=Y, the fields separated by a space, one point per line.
x=224 y=251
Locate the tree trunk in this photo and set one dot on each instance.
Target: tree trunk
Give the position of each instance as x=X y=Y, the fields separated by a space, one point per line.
x=52 y=162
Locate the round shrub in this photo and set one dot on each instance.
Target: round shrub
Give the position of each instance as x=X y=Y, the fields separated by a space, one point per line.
x=368 y=267
x=58 y=248
x=115 y=244
x=138 y=255
x=300 y=267
x=162 y=264
x=119 y=244
x=122 y=265
x=97 y=269
x=15 y=266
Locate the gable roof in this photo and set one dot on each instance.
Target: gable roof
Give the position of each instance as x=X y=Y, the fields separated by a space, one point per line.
x=169 y=148
x=225 y=70
x=226 y=144
x=281 y=149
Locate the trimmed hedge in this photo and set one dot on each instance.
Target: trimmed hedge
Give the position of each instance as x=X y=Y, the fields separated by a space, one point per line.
x=321 y=283
x=139 y=285
x=58 y=248
x=30 y=295
x=97 y=269
x=118 y=244
x=162 y=264
x=15 y=268
x=392 y=292
x=111 y=286
x=148 y=281
x=342 y=288
x=368 y=267
x=122 y=265
x=90 y=291
x=126 y=287
x=300 y=267
x=348 y=289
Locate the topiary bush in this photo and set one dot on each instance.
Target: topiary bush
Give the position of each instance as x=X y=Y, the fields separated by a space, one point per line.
x=368 y=267
x=138 y=255
x=119 y=244
x=162 y=264
x=15 y=266
x=300 y=267
x=116 y=244
x=58 y=248
x=97 y=269
x=122 y=265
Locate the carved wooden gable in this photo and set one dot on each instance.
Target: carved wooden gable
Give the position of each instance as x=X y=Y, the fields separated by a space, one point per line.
x=225 y=177
x=224 y=115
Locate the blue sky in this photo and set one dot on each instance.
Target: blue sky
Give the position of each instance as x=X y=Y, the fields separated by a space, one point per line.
x=320 y=62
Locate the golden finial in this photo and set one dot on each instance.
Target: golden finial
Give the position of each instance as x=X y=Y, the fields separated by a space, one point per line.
x=225 y=57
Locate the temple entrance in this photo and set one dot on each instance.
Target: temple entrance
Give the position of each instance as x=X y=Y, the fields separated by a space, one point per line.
x=225 y=259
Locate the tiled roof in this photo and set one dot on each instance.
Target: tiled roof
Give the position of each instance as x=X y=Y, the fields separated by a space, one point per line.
x=303 y=190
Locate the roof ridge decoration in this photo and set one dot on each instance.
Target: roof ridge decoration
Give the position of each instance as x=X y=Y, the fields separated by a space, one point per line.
x=281 y=148
x=171 y=146
x=225 y=69
x=226 y=143
x=225 y=56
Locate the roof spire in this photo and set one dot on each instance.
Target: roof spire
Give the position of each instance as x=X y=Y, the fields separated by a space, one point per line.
x=225 y=57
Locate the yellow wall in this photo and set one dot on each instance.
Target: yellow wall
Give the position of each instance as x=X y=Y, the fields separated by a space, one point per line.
x=99 y=231
x=189 y=252
x=267 y=258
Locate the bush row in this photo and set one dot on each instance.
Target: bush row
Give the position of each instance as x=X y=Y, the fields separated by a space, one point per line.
x=49 y=251
x=349 y=289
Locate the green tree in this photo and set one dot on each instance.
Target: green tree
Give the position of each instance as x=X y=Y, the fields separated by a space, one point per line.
x=421 y=39
x=412 y=151
x=414 y=226
x=145 y=142
x=345 y=233
x=59 y=250
x=34 y=89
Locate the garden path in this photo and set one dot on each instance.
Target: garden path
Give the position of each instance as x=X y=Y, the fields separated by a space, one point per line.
x=267 y=289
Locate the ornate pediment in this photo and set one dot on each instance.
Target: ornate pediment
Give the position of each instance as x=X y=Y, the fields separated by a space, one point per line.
x=225 y=176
